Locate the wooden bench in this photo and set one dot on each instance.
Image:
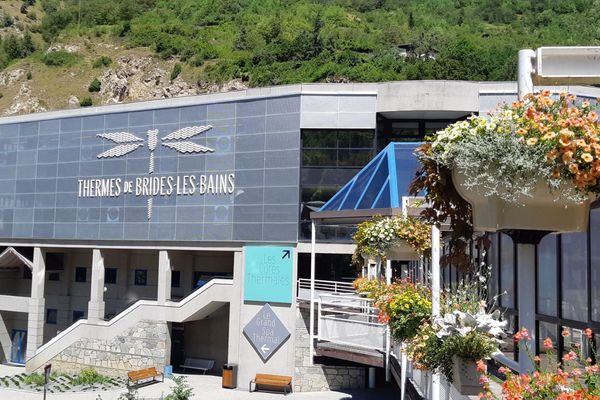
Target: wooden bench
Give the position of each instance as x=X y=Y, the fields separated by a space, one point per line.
x=146 y=375
x=271 y=383
x=199 y=364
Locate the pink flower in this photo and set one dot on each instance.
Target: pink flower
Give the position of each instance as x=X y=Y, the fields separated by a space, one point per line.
x=548 y=343
x=481 y=367
x=566 y=333
x=570 y=356
x=484 y=380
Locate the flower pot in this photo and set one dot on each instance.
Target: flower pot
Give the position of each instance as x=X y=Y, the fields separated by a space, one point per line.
x=544 y=211
x=401 y=250
x=465 y=377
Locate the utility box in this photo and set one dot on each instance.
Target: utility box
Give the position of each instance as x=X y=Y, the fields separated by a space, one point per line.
x=229 y=376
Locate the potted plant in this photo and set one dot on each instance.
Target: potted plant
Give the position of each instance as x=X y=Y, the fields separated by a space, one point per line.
x=395 y=238
x=534 y=164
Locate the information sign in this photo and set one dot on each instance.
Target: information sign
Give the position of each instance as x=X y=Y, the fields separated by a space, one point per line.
x=268 y=274
x=266 y=332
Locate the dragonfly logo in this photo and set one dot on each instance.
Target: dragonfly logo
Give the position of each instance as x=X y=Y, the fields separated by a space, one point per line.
x=179 y=141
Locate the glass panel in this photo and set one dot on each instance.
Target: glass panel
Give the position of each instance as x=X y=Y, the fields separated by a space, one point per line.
x=546 y=276
x=507 y=271
x=507 y=347
x=319 y=138
x=359 y=186
x=319 y=158
x=406 y=166
x=547 y=331
x=595 y=259
x=435 y=126
x=576 y=342
x=353 y=158
x=355 y=139
x=375 y=185
x=574 y=276
x=384 y=199
x=492 y=260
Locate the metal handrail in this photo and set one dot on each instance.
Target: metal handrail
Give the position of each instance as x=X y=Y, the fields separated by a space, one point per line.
x=330 y=286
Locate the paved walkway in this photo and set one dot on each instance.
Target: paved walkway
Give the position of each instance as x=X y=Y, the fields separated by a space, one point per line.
x=205 y=387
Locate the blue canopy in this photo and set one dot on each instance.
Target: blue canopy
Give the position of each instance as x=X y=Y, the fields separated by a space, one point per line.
x=381 y=183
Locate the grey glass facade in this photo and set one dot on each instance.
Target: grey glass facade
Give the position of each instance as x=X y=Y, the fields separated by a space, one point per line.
x=256 y=145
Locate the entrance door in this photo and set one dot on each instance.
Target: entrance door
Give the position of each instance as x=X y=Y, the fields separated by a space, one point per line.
x=177 y=344
x=19 y=345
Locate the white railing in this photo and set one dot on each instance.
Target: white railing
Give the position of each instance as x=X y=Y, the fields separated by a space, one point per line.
x=350 y=320
x=322 y=286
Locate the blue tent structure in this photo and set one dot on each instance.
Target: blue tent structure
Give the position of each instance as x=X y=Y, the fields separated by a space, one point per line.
x=378 y=188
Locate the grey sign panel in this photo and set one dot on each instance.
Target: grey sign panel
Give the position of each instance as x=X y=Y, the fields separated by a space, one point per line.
x=266 y=333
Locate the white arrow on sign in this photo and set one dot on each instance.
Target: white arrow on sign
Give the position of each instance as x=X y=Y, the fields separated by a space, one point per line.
x=264 y=348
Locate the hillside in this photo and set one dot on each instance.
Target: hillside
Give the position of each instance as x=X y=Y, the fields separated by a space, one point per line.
x=55 y=53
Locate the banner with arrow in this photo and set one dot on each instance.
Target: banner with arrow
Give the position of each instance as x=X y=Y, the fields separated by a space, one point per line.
x=268 y=274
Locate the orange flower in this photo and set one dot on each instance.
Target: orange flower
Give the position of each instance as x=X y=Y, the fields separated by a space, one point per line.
x=556 y=173
x=521 y=131
x=573 y=168
x=481 y=367
x=548 y=343
x=532 y=141
x=549 y=136
x=567 y=156
x=587 y=157
x=592 y=116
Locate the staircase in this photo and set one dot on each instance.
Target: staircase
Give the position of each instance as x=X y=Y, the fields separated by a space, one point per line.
x=197 y=305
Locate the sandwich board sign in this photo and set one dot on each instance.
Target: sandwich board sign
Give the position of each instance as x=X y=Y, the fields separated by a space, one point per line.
x=265 y=332
x=268 y=273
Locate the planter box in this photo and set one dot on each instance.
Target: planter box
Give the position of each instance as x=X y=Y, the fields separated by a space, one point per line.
x=465 y=377
x=541 y=212
x=402 y=251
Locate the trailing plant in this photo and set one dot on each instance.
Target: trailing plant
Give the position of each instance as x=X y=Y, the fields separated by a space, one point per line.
x=375 y=236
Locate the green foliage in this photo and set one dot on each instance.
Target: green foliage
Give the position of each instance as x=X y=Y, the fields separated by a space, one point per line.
x=34 y=379
x=86 y=102
x=60 y=58
x=131 y=394
x=181 y=390
x=175 y=72
x=88 y=376
x=95 y=85
x=6 y=21
x=102 y=61
x=17 y=47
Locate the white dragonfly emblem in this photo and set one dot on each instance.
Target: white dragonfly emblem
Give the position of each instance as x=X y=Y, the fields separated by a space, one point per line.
x=178 y=141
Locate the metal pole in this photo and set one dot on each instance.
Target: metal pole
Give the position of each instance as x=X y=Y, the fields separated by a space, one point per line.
x=435 y=298
x=526 y=252
x=388 y=337
x=313 y=239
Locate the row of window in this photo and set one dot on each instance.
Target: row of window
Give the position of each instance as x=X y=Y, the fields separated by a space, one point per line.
x=140 y=276
x=52 y=315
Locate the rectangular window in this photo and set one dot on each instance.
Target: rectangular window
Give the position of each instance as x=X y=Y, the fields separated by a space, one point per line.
x=200 y=279
x=547 y=331
x=507 y=272
x=110 y=276
x=80 y=274
x=547 y=276
x=141 y=277
x=175 y=278
x=54 y=276
x=574 y=276
x=336 y=148
x=51 y=315
x=77 y=315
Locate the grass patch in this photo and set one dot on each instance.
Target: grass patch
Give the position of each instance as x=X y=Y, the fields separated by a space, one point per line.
x=60 y=58
x=34 y=379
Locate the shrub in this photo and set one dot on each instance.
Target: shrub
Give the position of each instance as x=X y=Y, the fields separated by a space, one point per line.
x=102 y=61
x=60 y=58
x=181 y=390
x=86 y=101
x=88 y=376
x=34 y=379
x=95 y=85
x=175 y=72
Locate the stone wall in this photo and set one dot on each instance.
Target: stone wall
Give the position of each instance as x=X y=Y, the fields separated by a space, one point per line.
x=147 y=344
x=309 y=378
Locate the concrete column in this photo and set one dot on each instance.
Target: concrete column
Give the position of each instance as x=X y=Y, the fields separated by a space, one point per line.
x=37 y=311
x=526 y=296
x=164 y=277
x=96 y=304
x=235 y=329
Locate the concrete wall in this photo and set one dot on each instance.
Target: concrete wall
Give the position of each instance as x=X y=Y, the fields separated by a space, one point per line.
x=147 y=344
x=208 y=338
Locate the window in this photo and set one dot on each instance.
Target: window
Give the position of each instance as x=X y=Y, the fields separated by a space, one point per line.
x=51 y=315
x=110 y=276
x=200 y=279
x=141 y=277
x=54 y=276
x=574 y=276
x=80 y=274
x=26 y=273
x=77 y=315
x=546 y=276
x=507 y=271
x=336 y=148
x=175 y=278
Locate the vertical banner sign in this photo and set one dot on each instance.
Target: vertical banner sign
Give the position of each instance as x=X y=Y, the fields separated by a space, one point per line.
x=268 y=274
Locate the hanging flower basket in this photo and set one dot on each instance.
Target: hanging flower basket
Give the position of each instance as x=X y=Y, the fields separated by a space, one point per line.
x=532 y=165
x=465 y=377
x=401 y=250
x=544 y=210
